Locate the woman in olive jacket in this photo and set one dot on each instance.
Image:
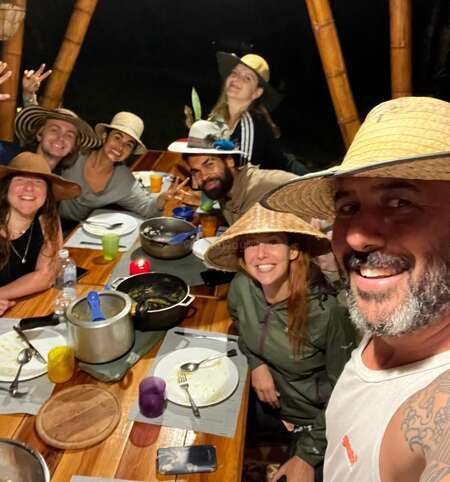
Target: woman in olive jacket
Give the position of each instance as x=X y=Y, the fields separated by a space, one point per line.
x=296 y=335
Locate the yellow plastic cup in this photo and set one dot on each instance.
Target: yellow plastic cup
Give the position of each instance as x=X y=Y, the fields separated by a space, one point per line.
x=61 y=364
x=155 y=182
x=110 y=245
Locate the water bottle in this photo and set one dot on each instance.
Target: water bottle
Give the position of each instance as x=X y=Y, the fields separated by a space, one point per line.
x=66 y=282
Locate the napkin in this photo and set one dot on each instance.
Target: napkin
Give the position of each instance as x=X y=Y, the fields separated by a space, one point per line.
x=220 y=419
x=39 y=389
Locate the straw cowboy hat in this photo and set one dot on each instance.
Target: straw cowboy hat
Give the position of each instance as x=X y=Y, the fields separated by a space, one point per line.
x=127 y=123
x=224 y=253
x=228 y=61
x=405 y=138
x=206 y=137
x=28 y=163
x=31 y=118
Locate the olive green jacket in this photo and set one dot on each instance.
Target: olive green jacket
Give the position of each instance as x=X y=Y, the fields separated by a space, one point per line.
x=304 y=382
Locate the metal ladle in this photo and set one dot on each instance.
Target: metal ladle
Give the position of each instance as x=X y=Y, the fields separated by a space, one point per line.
x=23 y=357
x=192 y=366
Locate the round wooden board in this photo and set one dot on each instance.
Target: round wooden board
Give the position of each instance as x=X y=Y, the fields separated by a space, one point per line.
x=78 y=417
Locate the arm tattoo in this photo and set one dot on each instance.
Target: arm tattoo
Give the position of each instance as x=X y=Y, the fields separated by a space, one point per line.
x=426 y=427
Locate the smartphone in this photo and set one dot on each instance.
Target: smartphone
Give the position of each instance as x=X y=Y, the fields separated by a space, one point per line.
x=212 y=277
x=186 y=460
x=81 y=272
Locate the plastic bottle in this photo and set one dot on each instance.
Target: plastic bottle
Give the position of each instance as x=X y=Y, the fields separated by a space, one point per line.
x=66 y=282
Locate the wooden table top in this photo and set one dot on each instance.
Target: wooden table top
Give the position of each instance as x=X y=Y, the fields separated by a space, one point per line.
x=130 y=451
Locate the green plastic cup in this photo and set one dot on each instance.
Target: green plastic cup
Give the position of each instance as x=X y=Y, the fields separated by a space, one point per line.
x=110 y=245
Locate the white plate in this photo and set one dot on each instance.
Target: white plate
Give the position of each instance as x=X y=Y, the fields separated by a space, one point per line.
x=212 y=383
x=201 y=245
x=144 y=176
x=43 y=339
x=129 y=224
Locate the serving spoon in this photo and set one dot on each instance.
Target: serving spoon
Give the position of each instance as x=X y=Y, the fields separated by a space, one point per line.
x=192 y=366
x=23 y=357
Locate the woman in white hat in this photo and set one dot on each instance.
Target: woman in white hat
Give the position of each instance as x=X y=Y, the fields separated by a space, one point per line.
x=103 y=177
x=244 y=105
x=30 y=231
x=295 y=334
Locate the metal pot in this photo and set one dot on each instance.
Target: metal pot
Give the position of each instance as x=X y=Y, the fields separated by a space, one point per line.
x=106 y=340
x=155 y=233
x=21 y=463
x=156 y=285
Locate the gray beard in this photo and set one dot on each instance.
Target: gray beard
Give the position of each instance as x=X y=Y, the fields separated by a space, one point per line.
x=425 y=303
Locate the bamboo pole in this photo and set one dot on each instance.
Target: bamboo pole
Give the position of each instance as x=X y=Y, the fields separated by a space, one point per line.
x=333 y=63
x=400 y=23
x=12 y=54
x=68 y=53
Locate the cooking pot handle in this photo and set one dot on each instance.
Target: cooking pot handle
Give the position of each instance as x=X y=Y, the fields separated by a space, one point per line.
x=116 y=281
x=189 y=299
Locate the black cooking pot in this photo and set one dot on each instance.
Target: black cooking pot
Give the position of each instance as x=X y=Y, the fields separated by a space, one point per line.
x=162 y=300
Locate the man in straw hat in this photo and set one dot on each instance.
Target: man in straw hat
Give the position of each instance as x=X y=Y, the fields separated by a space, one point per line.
x=56 y=134
x=210 y=156
x=388 y=417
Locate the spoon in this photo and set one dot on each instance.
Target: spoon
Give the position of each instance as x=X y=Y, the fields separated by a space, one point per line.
x=104 y=225
x=23 y=357
x=180 y=237
x=192 y=366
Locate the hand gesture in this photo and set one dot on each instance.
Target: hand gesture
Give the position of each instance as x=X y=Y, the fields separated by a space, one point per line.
x=264 y=386
x=172 y=192
x=31 y=80
x=295 y=470
x=4 y=76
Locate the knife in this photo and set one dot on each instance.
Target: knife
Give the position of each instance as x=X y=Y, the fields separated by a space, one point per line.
x=209 y=337
x=93 y=243
x=27 y=341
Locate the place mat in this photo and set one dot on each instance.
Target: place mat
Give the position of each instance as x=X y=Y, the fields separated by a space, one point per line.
x=39 y=389
x=220 y=419
x=78 y=417
x=187 y=268
x=80 y=234
x=115 y=370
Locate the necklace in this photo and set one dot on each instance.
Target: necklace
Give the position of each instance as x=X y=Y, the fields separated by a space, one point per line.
x=23 y=258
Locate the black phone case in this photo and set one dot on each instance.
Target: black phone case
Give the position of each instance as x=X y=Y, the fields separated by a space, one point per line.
x=214 y=277
x=186 y=460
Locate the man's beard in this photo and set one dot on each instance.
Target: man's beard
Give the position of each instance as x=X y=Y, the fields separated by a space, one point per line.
x=425 y=302
x=225 y=184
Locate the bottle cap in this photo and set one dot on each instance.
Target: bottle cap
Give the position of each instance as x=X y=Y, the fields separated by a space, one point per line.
x=63 y=253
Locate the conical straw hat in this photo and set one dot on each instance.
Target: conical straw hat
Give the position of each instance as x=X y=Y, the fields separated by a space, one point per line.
x=224 y=253
x=405 y=138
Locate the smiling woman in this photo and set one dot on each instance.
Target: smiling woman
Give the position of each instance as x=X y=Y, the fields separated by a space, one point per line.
x=30 y=233
x=105 y=180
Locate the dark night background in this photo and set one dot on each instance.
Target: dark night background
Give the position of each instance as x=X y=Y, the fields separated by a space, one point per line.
x=145 y=55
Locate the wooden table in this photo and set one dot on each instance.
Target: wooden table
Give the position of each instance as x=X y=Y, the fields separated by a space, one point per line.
x=130 y=452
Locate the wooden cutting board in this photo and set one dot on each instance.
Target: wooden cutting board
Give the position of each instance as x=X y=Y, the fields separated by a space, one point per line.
x=78 y=417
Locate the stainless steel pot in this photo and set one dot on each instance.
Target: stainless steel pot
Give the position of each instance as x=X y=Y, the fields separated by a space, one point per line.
x=106 y=340
x=21 y=463
x=160 y=285
x=155 y=233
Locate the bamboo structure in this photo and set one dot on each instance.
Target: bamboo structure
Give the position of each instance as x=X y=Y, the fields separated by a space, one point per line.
x=12 y=54
x=333 y=63
x=400 y=26
x=68 y=53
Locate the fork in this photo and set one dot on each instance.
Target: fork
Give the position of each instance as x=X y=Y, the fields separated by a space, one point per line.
x=182 y=383
x=104 y=225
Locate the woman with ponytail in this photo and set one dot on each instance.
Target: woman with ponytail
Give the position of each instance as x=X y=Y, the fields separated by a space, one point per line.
x=295 y=334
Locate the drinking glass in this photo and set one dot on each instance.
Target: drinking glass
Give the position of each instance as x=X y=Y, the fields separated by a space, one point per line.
x=61 y=364
x=152 y=396
x=155 y=182
x=209 y=225
x=110 y=245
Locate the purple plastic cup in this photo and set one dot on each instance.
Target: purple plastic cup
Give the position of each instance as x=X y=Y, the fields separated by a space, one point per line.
x=152 y=397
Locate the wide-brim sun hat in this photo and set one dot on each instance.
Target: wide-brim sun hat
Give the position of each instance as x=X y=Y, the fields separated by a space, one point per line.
x=31 y=164
x=224 y=253
x=404 y=138
x=31 y=118
x=206 y=137
x=128 y=123
x=227 y=62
